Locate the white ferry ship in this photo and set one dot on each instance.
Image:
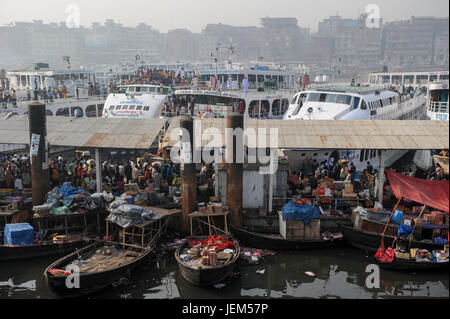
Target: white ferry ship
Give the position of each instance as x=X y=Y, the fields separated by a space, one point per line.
x=257 y=92
x=353 y=103
x=138 y=101
x=436 y=110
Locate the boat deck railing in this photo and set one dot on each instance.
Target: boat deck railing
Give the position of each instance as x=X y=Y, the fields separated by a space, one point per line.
x=70 y=100
x=437 y=107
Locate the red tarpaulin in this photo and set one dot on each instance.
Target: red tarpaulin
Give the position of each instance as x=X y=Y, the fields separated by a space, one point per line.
x=433 y=194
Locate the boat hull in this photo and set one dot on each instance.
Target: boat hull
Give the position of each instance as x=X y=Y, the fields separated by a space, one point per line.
x=404 y=265
x=209 y=276
x=263 y=241
x=40 y=250
x=90 y=282
x=371 y=242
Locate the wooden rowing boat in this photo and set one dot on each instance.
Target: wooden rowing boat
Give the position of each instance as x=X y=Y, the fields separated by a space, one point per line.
x=370 y=241
x=412 y=265
x=100 y=264
x=41 y=249
x=208 y=275
x=276 y=242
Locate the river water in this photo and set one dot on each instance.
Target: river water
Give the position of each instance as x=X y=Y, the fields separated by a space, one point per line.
x=339 y=273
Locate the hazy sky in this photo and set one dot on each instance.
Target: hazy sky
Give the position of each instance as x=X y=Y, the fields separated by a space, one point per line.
x=165 y=15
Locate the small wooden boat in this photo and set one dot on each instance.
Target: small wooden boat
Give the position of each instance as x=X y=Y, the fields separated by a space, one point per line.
x=412 y=265
x=277 y=242
x=41 y=249
x=206 y=275
x=370 y=241
x=100 y=264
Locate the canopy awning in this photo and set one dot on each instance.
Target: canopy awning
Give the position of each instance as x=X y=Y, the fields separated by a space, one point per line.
x=433 y=194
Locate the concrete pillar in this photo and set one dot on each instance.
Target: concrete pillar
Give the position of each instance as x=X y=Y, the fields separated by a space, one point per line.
x=271 y=182
x=381 y=176
x=216 y=171
x=235 y=171
x=188 y=172
x=98 y=171
x=40 y=177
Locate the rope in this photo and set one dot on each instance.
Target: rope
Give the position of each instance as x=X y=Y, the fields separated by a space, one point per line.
x=415 y=224
x=387 y=224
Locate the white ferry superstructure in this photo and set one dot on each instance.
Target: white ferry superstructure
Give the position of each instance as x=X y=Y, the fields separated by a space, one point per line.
x=353 y=103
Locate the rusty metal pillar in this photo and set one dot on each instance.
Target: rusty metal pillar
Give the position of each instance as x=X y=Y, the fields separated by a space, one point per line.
x=40 y=178
x=188 y=172
x=235 y=168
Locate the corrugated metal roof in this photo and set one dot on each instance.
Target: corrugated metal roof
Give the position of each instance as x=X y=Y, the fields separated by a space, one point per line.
x=86 y=132
x=343 y=135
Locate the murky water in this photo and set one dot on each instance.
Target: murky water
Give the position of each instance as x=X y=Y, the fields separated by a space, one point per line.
x=340 y=273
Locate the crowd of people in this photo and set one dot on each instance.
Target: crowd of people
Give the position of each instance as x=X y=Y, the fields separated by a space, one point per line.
x=312 y=172
x=15 y=173
x=164 y=77
x=81 y=173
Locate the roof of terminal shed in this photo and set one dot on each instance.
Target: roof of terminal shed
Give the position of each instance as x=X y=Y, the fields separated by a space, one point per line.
x=86 y=132
x=343 y=135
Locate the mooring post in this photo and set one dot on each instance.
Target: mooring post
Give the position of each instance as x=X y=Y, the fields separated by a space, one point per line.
x=235 y=167
x=381 y=177
x=40 y=177
x=98 y=171
x=188 y=172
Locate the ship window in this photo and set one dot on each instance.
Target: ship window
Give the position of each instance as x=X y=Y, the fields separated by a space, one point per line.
x=73 y=109
x=363 y=105
x=144 y=90
x=139 y=108
x=100 y=109
x=276 y=107
x=284 y=106
x=131 y=89
x=132 y=107
x=299 y=106
x=253 y=109
x=265 y=108
x=91 y=110
x=111 y=108
x=356 y=101
x=146 y=108
x=294 y=99
x=138 y=89
x=47 y=112
x=125 y=107
x=62 y=111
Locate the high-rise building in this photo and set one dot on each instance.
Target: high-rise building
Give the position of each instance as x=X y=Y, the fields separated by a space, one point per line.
x=283 y=40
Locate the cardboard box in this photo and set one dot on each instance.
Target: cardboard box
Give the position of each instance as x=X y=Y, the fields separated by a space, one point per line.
x=312 y=232
x=348 y=188
x=401 y=255
x=413 y=252
x=291 y=229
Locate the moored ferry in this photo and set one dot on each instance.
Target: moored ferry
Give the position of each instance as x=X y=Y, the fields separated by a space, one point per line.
x=353 y=103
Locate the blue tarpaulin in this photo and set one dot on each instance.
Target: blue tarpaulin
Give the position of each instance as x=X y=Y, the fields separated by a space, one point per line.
x=292 y=211
x=69 y=191
x=18 y=234
x=404 y=230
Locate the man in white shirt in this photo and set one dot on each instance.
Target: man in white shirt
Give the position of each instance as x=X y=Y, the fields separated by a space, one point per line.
x=18 y=185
